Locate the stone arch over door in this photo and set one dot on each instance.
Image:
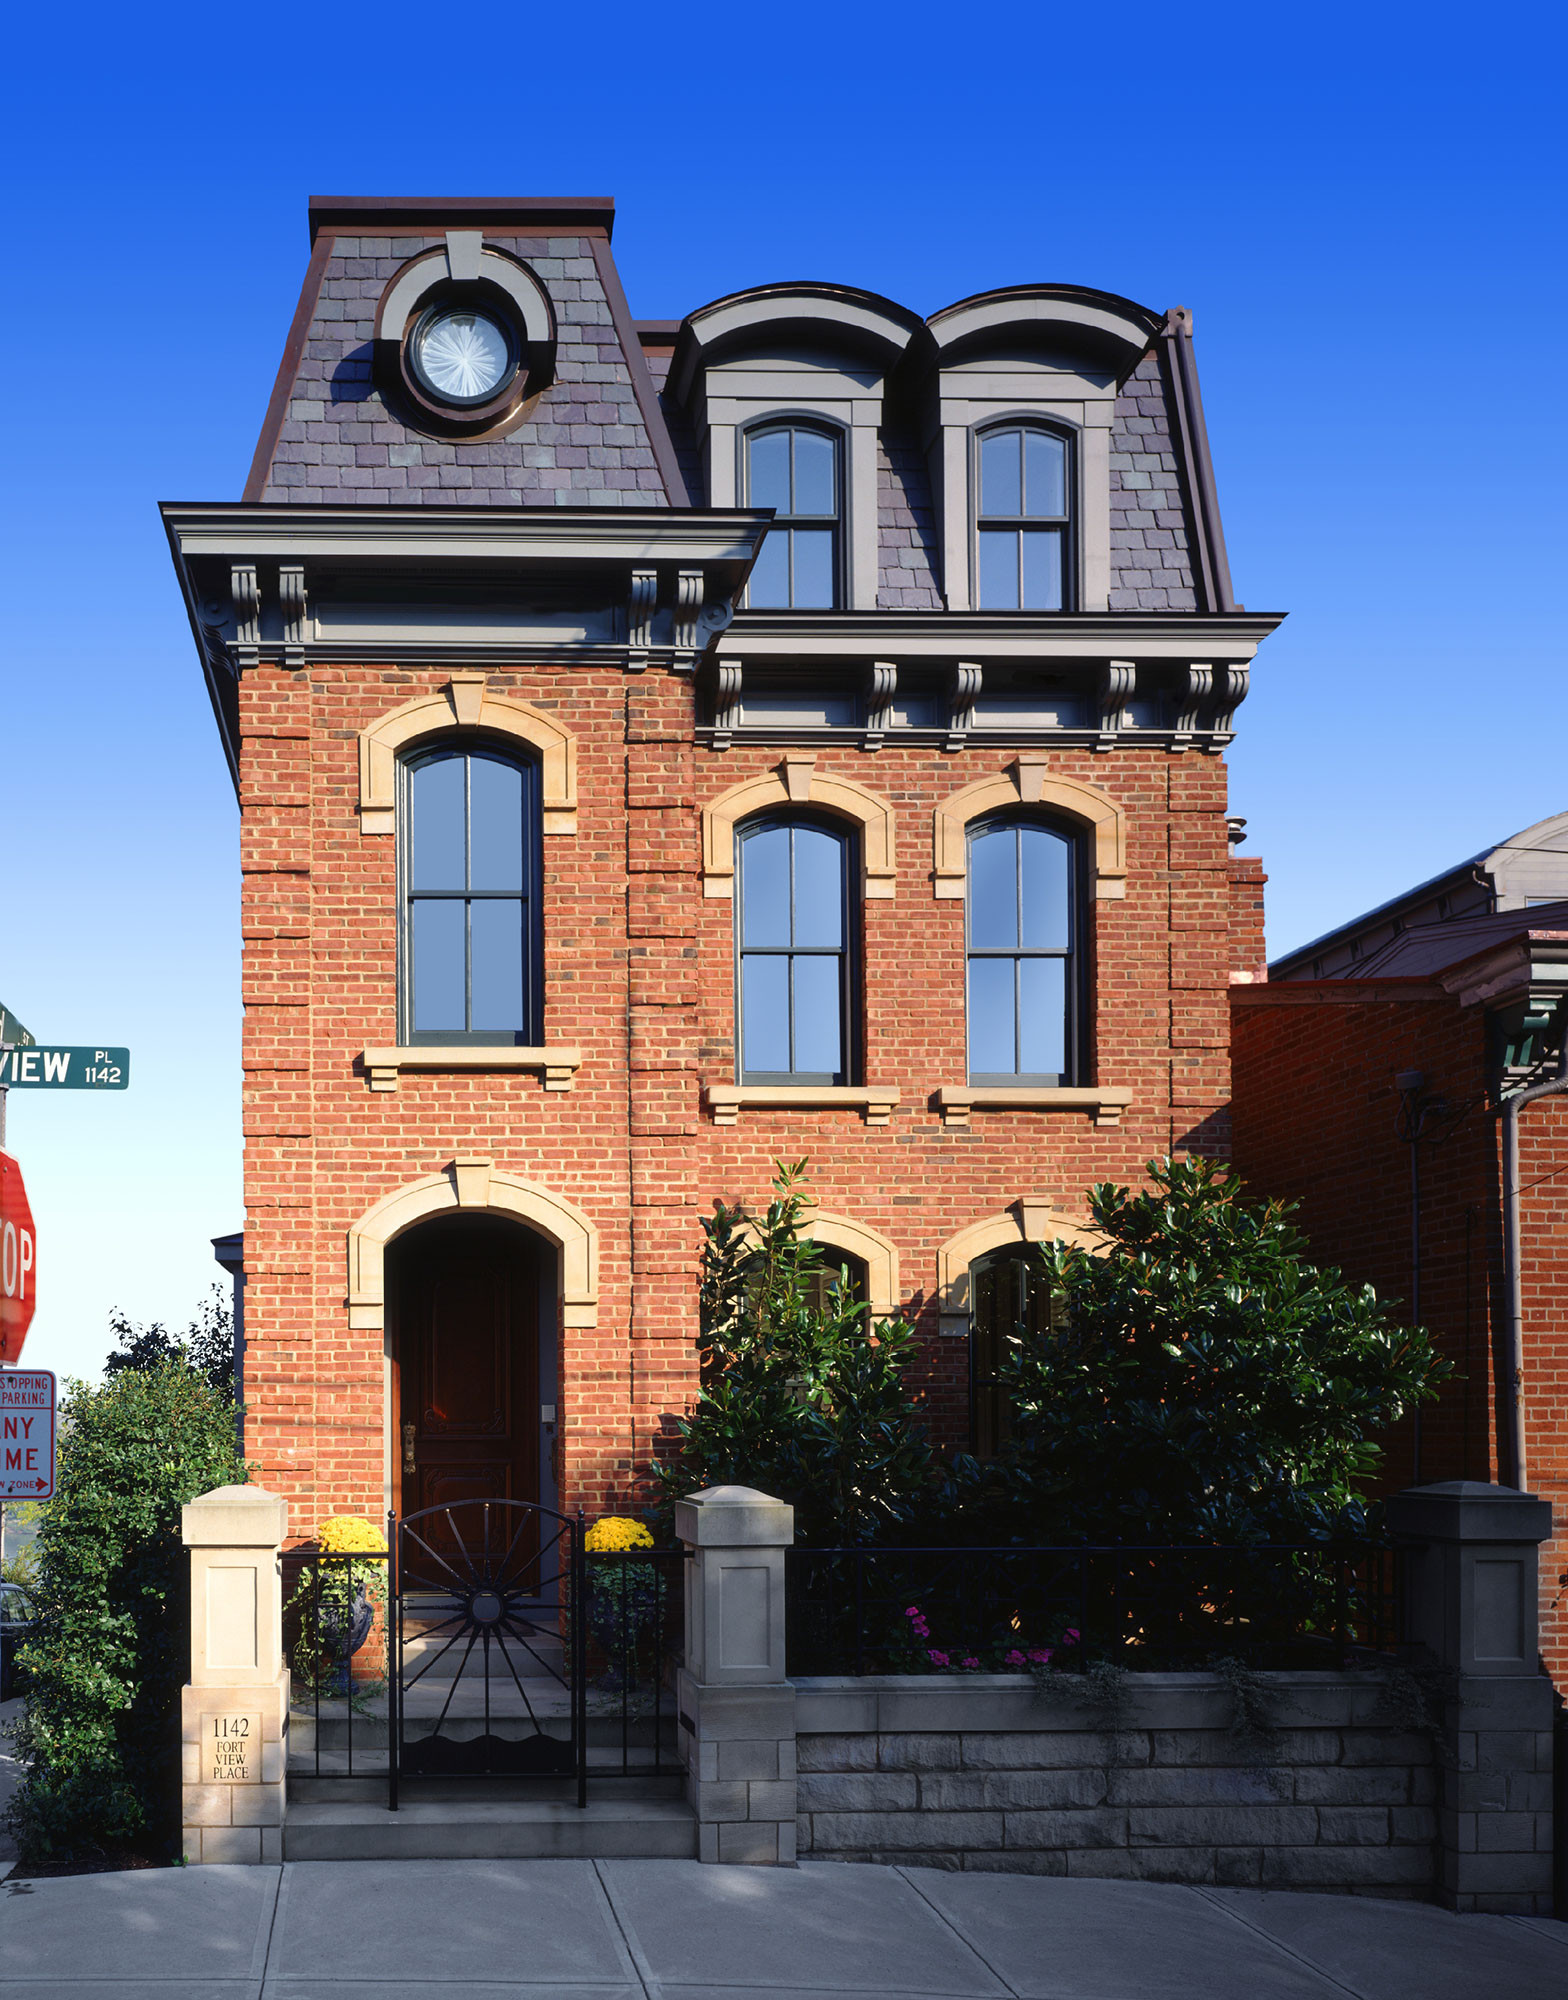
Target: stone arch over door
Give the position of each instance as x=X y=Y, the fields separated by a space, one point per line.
x=1030 y=1219
x=471 y=1183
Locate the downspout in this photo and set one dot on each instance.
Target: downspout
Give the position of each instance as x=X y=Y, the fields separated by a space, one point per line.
x=1510 y=1423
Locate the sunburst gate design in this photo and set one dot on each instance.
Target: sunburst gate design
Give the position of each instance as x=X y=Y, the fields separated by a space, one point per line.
x=495 y=1583
x=461 y=356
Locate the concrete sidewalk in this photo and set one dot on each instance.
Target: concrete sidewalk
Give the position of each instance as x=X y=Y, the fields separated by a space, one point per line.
x=672 y=1930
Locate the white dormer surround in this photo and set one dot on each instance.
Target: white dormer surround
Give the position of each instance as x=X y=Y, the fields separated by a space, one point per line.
x=818 y=352
x=1046 y=352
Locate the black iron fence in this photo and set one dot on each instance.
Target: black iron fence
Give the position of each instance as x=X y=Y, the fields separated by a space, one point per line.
x=335 y=1641
x=636 y=1610
x=940 y=1610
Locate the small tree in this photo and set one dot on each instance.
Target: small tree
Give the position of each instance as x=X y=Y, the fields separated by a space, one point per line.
x=1204 y=1382
x=207 y=1345
x=100 y=1739
x=800 y=1396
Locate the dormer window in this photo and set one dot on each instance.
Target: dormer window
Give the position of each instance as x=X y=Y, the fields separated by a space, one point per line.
x=794 y=469
x=1024 y=519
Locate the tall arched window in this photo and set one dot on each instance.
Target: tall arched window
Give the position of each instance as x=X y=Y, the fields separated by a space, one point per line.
x=1023 y=971
x=1011 y=1296
x=793 y=924
x=468 y=862
x=795 y=470
x=1024 y=519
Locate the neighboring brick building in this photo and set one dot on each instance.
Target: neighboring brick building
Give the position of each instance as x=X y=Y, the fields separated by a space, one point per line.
x=514 y=748
x=1378 y=1100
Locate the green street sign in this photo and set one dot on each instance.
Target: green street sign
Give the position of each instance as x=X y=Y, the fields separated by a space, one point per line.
x=12 y=1031
x=64 y=1069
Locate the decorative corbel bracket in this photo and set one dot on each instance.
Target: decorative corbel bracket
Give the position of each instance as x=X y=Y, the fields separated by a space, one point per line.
x=295 y=608
x=726 y=702
x=1114 y=686
x=247 y=614
x=963 y=693
x=688 y=612
x=882 y=685
x=1196 y=686
x=639 y=618
x=1230 y=692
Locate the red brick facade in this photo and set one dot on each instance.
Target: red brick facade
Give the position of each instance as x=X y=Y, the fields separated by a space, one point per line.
x=639 y=976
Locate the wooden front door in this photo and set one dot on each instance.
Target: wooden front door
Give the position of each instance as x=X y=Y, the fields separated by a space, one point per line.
x=466 y=1292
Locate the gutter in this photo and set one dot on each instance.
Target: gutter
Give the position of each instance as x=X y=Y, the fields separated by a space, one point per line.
x=1510 y=1415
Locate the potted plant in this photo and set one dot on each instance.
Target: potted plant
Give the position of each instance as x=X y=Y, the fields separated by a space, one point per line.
x=336 y=1600
x=622 y=1596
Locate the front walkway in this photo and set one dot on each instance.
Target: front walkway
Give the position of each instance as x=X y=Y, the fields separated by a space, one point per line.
x=672 y=1930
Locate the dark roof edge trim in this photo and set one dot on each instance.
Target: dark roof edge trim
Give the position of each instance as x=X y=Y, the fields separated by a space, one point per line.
x=1314 y=947
x=225 y=701
x=1181 y=372
x=288 y=367
x=642 y=382
x=371 y=214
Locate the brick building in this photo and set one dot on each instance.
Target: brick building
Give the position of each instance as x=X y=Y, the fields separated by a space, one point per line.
x=1380 y=1096
x=668 y=748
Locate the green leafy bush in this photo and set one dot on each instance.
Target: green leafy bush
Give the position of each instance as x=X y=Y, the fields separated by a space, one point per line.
x=800 y=1397
x=1205 y=1383
x=99 y=1743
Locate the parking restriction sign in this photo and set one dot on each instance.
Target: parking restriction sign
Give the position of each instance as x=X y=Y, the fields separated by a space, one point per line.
x=26 y=1434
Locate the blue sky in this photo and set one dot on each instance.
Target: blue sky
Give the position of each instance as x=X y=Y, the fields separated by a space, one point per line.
x=1363 y=206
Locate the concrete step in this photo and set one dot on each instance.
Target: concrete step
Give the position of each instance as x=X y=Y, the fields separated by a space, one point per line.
x=613 y=1785
x=478 y=1826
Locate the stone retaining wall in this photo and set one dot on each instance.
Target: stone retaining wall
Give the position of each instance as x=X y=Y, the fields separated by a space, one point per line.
x=979 y=1772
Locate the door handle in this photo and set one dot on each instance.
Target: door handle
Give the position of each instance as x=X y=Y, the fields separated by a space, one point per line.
x=408 y=1449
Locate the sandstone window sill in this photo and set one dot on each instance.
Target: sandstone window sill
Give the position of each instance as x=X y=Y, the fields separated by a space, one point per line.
x=556 y=1065
x=956 y=1102
x=726 y=1101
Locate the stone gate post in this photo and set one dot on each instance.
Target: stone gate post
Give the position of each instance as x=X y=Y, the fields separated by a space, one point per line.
x=234 y=1712
x=1470 y=1552
x=737 y=1710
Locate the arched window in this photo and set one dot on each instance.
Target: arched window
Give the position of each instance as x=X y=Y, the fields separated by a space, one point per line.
x=840 y=1274
x=1024 y=519
x=1023 y=969
x=468 y=863
x=795 y=470
x=792 y=944
x=1011 y=1296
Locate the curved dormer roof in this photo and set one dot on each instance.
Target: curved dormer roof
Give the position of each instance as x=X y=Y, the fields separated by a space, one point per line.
x=833 y=318
x=1060 y=319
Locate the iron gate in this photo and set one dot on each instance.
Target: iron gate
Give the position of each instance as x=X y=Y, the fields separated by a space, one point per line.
x=487 y=1672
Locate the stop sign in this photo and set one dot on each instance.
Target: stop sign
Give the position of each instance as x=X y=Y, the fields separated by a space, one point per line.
x=18 y=1262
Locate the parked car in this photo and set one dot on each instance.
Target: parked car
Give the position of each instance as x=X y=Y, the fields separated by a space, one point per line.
x=16 y=1625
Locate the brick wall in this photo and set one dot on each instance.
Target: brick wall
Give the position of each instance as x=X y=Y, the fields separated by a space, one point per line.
x=639 y=970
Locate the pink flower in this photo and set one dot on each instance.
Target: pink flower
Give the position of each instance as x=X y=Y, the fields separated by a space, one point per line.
x=1041 y=1655
x=938 y=1659
x=1070 y=1636
x=1015 y=1658
x=970 y=1662
x=913 y=1611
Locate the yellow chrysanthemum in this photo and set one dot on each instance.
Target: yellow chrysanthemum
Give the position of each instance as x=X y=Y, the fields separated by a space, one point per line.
x=348 y=1535
x=616 y=1531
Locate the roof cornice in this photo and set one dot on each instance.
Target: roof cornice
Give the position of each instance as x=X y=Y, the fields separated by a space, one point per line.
x=380 y=215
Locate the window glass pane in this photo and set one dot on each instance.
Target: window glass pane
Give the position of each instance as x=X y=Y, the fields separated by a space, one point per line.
x=496 y=950
x=764 y=999
x=764 y=881
x=1000 y=489
x=819 y=1042
x=438 y=965
x=1045 y=474
x=1042 y=1023
x=768 y=464
x=814 y=468
x=1043 y=865
x=993 y=888
x=991 y=1039
x=768 y=586
x=1042 y=586
x=819 y=888
x=998 y=569
x=813 y=590
x=495 y=830
x=437 y=795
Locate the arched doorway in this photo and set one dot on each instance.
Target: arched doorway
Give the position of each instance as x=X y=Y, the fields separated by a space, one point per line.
x=472 y=1361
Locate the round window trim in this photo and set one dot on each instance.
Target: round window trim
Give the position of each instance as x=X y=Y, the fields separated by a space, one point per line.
x=449 y=307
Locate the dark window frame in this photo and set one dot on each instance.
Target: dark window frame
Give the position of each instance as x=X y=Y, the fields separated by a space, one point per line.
x=989 y=1418
x=784 y=420
x=1076 y=978
x=531 y=1034
x=1019 y=524
x=848 y=953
